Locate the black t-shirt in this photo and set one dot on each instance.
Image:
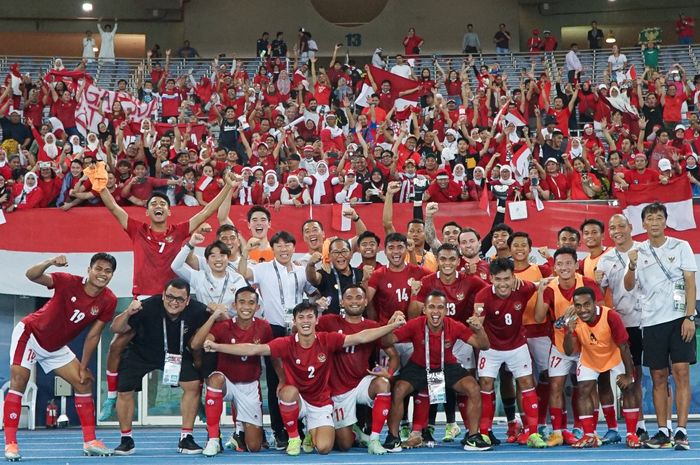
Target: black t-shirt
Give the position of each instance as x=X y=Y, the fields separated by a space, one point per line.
x=328 y=286
x=229 y=134
x=16 y=131
x=654 y=116
x=147 y=343
x=501 y=39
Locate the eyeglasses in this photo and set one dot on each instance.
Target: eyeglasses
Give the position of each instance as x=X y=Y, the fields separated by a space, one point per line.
x=175 y=299
x=340 y=252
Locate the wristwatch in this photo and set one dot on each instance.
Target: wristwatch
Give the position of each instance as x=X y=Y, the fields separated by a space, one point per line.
x=690 y=317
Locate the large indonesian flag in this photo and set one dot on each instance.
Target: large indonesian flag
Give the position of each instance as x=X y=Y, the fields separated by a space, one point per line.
x=398 y=84
x=677 y=196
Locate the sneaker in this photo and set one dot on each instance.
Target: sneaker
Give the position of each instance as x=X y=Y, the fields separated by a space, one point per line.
x=360 y=436
x=187 y=446
x=96 y=448
x=681 y=441
x=544 y=431
x=375 y=448
x=107 y=408
x=633 y=441
x=492 y=439
x=126 y=446
x=235 y=443
x=294 y=446
x=514 y=430
x=642 y=434
x=577 y=432
x=428 y=438
x=611 y=437
x=555 y=439
x=12 y=453
x=535 y=441
x=307 y=444
x=392 y=443
x=587 y=442
x=281 y=441
x=569 y=437
x=414 y=441
x=659 y=441
x=522 y=438
x=477 y=442
x=405 y=432
x=452 y=430
x=212 y=448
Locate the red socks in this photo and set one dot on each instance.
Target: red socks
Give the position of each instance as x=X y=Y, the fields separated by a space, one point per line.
x=610 y=417
x=631 y=417
x=588 y=422
x=487 y=411
x=290 y=414
x=462 y=403
x=112 y=383
x=421 y=411
x=558 y=421
x=213 y=406
x=380 y=410
x=13 y=409
x=530 y=408
x=85 y=407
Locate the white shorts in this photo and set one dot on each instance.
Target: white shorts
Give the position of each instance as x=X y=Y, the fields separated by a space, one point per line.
x=583 y=373
x=316 y=416
x=539 y=351
x=464 y=353
x=26 y=351
x=405 y=350
x=561 y=364
x=345 y=405
x=246 y=398
x=517 y=360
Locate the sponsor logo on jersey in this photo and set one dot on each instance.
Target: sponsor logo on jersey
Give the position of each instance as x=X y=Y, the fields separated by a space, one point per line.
x=321 y=357
x=94 y=310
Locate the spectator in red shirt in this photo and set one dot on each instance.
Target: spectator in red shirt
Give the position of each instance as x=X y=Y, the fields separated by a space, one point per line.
x=639 y=175
x=26 y=194
x=412 y=43
x=685 y=28
x=534 y=43
x=139 y=187
x=672 y=101
x=549 y=44
x=443 y=189
x=554 y=181
x=64 y=107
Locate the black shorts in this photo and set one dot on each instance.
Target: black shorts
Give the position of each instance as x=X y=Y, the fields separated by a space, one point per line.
x=635 y=344
x=132 y=369
x=417 y=377
x=663 y=342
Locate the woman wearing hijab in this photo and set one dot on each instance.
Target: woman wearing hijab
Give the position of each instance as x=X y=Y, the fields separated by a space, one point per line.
x=269 y=192
x=27 y=194
x=295 y=193
x=459 y=175
x=375 y=187
x=477 y=183
x=5 y=193
x=506 y=187
x=321 y=187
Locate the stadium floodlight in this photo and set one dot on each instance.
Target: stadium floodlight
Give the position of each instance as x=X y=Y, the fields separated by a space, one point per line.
x=87 y=7
x=611 y=38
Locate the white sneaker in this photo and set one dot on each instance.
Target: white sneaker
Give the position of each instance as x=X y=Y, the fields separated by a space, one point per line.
x=212 y=448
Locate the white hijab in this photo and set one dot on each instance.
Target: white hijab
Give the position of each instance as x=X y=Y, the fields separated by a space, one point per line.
x=320 y=185
x=271 y=188
x=51 y=148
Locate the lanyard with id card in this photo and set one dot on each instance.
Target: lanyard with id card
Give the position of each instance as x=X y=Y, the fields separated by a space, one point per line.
x=288 y=311
x=173 y=362
x=679 y=295
x=436 y=379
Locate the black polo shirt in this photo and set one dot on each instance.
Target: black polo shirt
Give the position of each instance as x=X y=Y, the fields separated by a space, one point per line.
x=328 y=287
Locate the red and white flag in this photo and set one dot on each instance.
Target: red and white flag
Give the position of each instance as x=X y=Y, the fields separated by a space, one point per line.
x=484 y=199
x=203 y=183
x=398 y=84
x=521 y=163
x=631 y=73
x=14 y=79
x=339 y=221
x=676 y=196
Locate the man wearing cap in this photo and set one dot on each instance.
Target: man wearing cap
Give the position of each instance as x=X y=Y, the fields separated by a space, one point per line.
x=351 y=191
x=534 y=43
x=443 y=189
x=308 y=162
x=557 y=183
x=405 y=146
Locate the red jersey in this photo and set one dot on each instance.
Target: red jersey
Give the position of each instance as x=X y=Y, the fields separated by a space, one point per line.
x=648 y=176
x=482 y=269
x=153 y=254
x=309 y=369
x=460 y=293
x=65 y=112
x=240 y=369
x=170 y=102
x=350 y=365
x=393 y=290
x=68 y=312
x=414 y=332
x=503 y=320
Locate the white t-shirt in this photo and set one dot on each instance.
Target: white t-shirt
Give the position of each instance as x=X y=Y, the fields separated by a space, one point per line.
x=401 y=70
x=265 y=276
x=88 y=47
x=617 y=62
x=654 y=290
x=614 y=264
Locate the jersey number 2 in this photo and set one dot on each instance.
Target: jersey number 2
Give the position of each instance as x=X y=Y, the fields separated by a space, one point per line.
x=312 y=372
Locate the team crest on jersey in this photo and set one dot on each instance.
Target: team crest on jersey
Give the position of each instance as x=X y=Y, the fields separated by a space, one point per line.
x=460 y=296
x=321 y=357
x=671 y=259
x=256 y=340
x=484 y=276
x=94 y=310
x=518 y=306
x=169 y=239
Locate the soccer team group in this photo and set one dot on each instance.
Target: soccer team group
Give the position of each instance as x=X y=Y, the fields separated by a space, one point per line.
x=346 y=348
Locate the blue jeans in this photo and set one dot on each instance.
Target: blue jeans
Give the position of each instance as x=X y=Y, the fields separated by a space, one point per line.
x=685 y=40
x=501 y=50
